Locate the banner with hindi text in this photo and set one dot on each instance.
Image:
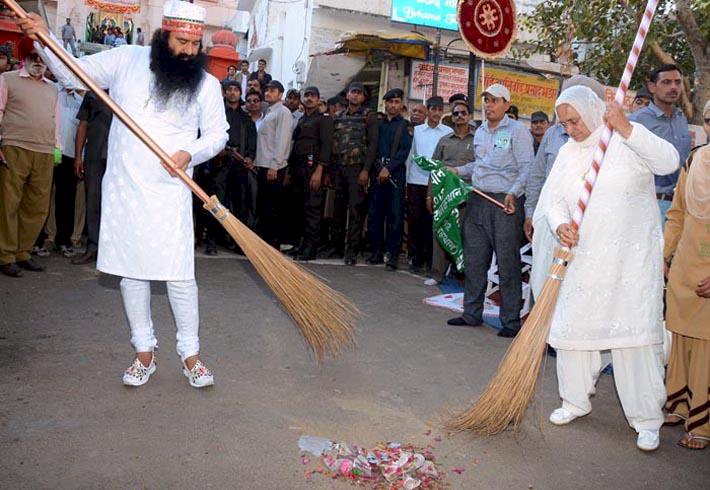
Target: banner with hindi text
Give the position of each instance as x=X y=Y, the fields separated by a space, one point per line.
x=528 y=91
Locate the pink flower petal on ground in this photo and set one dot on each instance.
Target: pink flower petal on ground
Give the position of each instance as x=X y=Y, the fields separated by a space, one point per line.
x=458 y=471
x=437 y=438
x=305 y=460
x=427 y=432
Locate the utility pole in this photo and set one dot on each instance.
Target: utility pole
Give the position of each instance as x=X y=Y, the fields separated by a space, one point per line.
x=437 y=45
x=471 y=82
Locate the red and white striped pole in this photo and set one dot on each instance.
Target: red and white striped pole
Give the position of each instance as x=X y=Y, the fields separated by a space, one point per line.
x=619 y=99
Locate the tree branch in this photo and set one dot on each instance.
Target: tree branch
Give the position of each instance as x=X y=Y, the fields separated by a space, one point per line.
x=699 y=46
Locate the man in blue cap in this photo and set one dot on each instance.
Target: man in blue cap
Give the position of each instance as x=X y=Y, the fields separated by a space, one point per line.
x=387 y=182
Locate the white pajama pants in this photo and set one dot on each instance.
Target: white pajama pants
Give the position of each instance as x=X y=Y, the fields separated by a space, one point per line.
x=183 y=301
x=638 y=375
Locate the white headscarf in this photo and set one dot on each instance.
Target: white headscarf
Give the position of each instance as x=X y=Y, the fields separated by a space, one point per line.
x=591 y=110
x=586 y=81
x=590 y=107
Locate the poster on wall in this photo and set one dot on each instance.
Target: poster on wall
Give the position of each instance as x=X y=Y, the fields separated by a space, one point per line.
x=529 y=92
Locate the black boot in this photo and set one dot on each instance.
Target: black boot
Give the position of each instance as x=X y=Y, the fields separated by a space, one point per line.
x=307 y=253
x=375 y=258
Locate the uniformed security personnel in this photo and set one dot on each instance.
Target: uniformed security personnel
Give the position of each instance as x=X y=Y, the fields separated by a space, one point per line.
x=312 y=142
x=387 y=182
x=230 y=175
x=354 y=151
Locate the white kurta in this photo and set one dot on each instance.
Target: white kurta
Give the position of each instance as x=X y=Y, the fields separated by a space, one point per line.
x=146 y=215
x=612 y=295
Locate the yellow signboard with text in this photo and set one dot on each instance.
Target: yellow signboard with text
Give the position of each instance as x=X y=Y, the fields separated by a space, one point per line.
x=529 y=92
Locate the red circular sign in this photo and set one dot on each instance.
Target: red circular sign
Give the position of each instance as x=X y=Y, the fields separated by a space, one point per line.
x=487 y=26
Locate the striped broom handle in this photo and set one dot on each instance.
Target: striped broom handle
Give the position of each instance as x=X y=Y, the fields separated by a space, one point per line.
x=619 y=99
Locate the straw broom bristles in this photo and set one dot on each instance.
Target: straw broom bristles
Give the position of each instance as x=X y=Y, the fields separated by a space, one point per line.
x=325 y=317
x=505 y=399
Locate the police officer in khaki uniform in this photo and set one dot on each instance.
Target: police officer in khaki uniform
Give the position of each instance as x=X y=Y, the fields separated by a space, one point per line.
x=354 y=151
x=312 y=140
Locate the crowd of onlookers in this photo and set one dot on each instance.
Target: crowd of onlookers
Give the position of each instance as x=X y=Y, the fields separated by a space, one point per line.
x=108 y=35
x=319 y=178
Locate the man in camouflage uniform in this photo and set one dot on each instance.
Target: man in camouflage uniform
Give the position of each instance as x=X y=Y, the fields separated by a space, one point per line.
x=354 y=151
x=312 y=140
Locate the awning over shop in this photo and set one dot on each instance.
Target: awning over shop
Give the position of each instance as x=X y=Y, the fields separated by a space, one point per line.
x=259 y=53
x=409 y=45
x=332 y=72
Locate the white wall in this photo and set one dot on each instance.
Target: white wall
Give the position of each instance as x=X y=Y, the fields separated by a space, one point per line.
x=279 y=33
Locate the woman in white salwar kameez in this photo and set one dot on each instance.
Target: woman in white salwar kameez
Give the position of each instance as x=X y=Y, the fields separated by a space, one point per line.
x=611 y=298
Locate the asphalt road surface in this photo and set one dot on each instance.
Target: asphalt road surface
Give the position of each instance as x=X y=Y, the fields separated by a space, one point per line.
x=66 y=421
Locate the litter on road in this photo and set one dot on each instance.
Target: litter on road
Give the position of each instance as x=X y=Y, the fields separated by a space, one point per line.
x=387 y=465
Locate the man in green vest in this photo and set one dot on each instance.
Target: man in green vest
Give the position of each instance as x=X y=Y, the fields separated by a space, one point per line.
x=29 y=131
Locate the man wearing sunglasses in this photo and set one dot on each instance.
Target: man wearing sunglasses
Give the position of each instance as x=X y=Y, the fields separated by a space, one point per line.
x=504 y=152
x=455 y=150
x=30 y=131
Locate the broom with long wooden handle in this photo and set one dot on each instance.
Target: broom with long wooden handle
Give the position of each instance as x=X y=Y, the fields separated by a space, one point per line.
x=508 y=394
x=325 y=317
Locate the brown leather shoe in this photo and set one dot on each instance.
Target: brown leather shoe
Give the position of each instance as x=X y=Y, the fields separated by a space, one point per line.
x=12 y=270
x=31 y=265
x=88 y=257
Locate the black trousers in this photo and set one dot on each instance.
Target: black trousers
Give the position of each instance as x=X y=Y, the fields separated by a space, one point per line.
x=268 y=206
x=486 y=228
x=65 y=182
x=386 y=219
x=242 y=194
x=419 y=219
x=308 y=206
x=94 y=171
x=216 y=182
x=350 y=200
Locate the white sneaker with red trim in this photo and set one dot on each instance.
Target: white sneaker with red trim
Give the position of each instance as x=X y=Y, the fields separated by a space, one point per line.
x=199 y=376
x=137 y=374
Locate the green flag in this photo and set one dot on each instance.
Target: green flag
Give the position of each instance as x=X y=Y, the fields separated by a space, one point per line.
x=448 y=193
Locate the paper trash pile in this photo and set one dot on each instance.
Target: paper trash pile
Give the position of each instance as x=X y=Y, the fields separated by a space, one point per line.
x=387 y=465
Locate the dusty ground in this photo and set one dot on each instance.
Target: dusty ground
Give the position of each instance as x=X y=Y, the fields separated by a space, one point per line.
x=67 y=422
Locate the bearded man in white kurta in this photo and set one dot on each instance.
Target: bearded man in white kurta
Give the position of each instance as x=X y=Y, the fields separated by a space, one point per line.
x=146 y=214
x=611 y=298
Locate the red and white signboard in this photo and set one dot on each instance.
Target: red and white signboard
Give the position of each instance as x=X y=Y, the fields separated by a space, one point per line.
x=488 y=27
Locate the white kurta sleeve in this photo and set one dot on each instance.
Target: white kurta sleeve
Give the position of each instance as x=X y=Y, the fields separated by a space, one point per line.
x=102 y=67
x=657 y=154
x=557 y=215
x=213 y=123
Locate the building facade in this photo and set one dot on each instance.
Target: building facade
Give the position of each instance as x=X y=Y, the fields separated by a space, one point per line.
x=325 y=43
